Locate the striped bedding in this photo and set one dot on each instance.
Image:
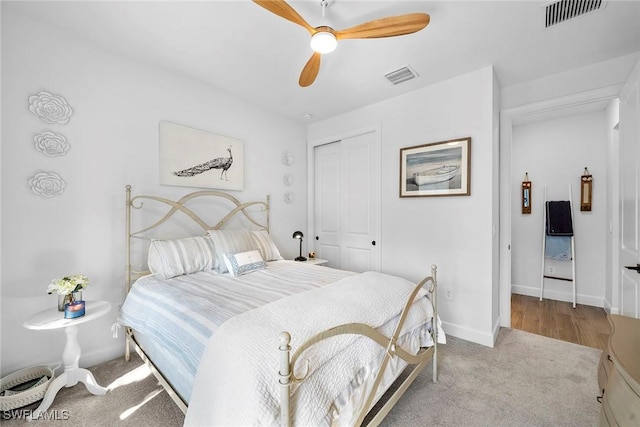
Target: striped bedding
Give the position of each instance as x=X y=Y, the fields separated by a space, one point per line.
x=177 y=316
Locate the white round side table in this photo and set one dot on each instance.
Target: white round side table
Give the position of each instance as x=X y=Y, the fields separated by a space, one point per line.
x=54 y=319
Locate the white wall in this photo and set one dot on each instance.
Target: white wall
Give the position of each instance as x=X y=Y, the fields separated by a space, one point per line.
x=599 y=75
x=453 y=232
x=113 y=133
x=555 y=153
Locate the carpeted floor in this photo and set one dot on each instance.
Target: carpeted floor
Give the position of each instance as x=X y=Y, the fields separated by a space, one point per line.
x=526 y=380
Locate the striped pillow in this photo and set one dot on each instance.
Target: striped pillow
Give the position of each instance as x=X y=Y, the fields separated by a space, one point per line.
x=266 y=246
x=230 y=242
x=171 y=258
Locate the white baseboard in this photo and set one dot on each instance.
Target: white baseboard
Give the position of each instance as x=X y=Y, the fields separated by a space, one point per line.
x=468 y=334
x=496 y=330
x=608 y=308
x=558 y=295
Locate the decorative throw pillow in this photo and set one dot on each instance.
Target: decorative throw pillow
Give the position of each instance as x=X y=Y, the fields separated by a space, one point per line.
x=266 y=245
x=230 y=242
x=171 y=258
x=244 y=262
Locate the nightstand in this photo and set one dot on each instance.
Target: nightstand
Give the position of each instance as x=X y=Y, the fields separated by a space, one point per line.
x=315 y=261
x=53 y=319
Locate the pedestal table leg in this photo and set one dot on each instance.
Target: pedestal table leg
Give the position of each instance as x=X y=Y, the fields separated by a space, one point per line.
x=72 y=373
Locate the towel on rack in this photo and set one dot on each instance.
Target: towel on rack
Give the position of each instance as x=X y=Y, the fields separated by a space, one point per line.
x=559 y=221
x=558 y=247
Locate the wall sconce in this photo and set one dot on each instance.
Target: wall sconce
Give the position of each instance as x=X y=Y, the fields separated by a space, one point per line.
x=298 y=235
x=586 y=182
x=526 y=194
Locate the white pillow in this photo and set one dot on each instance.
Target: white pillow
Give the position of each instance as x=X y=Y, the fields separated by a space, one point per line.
x=230 y=242
x=266 y=245
x=244 y=262
x=171 y=258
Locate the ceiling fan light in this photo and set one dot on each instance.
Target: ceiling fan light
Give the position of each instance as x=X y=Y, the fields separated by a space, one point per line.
x=323 y=42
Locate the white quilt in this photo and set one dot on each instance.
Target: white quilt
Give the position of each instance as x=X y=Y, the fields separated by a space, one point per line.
x=236 y=382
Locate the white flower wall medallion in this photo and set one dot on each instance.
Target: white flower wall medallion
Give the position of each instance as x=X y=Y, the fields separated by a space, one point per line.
x=47 y=184
x=289 y=197
x=51 y=143
x=287 y=158
x=288 y=179
x=50 y=108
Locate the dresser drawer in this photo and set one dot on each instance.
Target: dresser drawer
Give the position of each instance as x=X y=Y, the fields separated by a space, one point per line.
x=622 y=401
x=606 y=419
x=604 y=368
x=619 y=373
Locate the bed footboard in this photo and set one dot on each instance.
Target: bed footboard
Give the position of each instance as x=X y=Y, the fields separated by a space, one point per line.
x=287 y=361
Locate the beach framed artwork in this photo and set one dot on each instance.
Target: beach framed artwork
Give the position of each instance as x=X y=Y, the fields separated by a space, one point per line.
x=196 y=158
x=436 y=169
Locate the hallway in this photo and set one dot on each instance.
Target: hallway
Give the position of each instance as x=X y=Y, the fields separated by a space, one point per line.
x=585 y=325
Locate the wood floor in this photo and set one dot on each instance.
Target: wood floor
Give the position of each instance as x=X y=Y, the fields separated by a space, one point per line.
x=585 y=325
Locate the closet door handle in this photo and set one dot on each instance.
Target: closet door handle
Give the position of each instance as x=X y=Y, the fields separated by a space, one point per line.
x=631 y=267
x=373 y=242
x=317 y=238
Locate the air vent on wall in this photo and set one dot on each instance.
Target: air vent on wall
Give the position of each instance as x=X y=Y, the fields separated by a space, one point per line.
x=565 y=10
x=401 y=75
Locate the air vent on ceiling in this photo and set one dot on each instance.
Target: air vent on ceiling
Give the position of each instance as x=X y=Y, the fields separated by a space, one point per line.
x=565 y=10
x=401 y=75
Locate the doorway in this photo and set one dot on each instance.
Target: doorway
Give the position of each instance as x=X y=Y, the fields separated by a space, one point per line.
x=510 y=118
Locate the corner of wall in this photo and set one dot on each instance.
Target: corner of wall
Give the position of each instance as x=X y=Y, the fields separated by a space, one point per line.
x=473 y=335
x=496 y=331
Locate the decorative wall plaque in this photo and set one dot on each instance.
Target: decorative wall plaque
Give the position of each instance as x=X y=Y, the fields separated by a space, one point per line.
x=50 y=108
x=51 y=143
x=47 y=184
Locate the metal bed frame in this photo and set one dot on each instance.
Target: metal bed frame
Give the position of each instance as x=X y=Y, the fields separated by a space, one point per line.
x=420 y=360
x=285 y=375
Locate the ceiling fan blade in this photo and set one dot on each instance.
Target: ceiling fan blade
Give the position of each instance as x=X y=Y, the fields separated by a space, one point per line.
x=282 y=9
x=386 y=27
x=310 y=71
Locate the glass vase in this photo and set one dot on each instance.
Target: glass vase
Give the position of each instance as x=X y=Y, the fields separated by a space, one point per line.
x=68 y=299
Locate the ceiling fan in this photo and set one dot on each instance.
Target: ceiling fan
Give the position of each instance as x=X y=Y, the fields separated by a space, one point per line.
x=324 y=38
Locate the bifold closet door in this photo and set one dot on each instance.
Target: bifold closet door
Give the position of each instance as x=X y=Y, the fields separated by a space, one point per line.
x=347 y=203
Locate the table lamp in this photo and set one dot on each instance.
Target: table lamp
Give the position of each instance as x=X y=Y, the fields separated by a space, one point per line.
x=299 y=235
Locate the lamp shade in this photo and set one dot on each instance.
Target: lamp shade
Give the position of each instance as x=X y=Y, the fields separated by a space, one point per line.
x=298 y=235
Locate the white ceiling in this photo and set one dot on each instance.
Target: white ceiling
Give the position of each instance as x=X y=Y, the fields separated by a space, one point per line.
x=239 y=47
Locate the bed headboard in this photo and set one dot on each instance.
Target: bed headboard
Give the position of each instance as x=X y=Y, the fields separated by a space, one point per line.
x=233 y=209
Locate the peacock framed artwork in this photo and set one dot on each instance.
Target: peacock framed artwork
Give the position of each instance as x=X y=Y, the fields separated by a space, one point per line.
x=197 y=158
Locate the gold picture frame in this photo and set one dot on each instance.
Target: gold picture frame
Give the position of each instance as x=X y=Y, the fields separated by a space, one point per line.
x=526 y=194
x=436 y=169
x=586 y=191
